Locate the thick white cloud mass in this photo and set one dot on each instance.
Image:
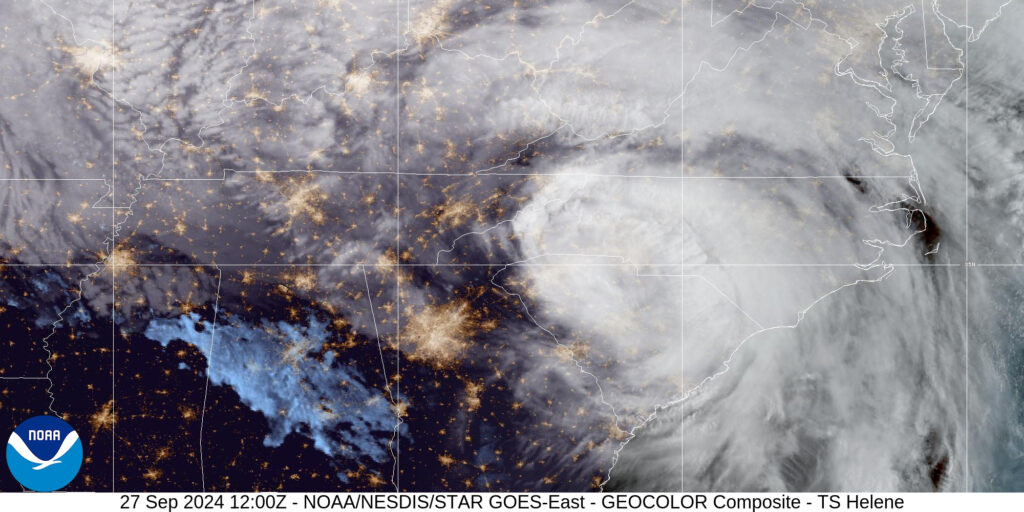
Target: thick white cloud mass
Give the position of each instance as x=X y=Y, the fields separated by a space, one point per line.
x=824 y=334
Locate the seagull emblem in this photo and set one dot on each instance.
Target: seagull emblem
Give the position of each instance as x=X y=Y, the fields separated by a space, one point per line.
x=19 y=446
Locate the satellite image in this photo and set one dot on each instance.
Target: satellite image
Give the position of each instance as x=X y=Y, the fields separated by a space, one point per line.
x=514 y=245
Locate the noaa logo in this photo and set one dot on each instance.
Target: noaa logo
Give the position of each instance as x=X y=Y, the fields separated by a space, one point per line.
x=44 y=453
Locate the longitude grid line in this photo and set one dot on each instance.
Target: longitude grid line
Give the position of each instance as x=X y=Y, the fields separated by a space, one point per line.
x=113 y=244
x=682 y=239
x=398 y=240
x=967 y=249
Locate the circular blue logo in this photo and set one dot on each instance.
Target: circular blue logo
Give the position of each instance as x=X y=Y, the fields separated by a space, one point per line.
x=44 y=453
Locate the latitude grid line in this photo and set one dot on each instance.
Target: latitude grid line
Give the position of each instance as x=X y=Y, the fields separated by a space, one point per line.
x=496 y=174
x=850 y=265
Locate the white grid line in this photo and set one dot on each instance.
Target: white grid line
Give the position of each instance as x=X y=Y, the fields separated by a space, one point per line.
x=967 y=250
x=546 y=174
x=682 y=231
x=113 y=246
x=852 y=265
x=398 y=241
